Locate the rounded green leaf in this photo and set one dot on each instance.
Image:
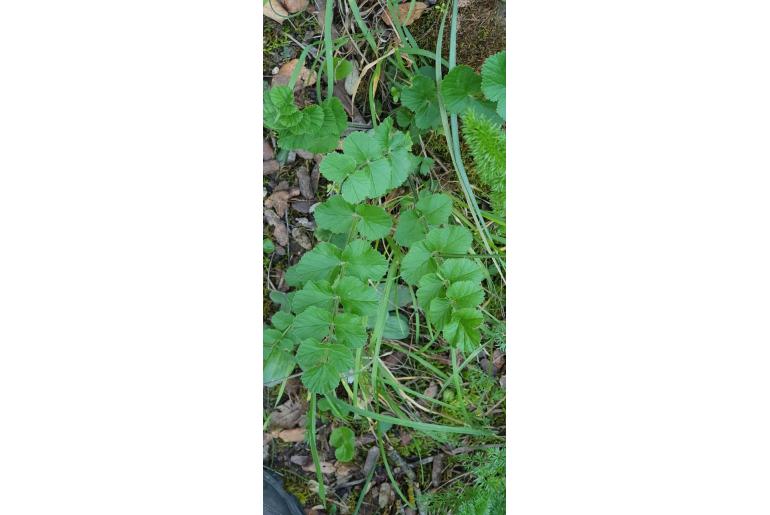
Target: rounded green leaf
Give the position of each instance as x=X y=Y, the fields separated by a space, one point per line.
x=321 y=263
x=410 y=228
x=314 y=322
x=435 y=208
x=460 y=269
x=462 y=329
x=493 y=80
x=449 y=240
x=431 y=286
x=334 y=215
x=417 y=262
x=459 y=88
x=363 y=262
x=344 y=442
x=350 y=329
x=322 y=364
x=465 y=294
x=336 y=167
x=420 y=98
x=315 y=293
x=357 y=297
x=374 y=222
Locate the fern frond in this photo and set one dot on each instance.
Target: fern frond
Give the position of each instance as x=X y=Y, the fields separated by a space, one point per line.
x=487 y=144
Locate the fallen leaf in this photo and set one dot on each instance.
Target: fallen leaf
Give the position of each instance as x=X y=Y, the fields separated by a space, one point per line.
x=431 y=391
x=302 y=206
x=438 y=463
x=291 y=435
x=502 y=381
x=305 y=184
x=306 y=77
x=350 y=80
x=295 y=6
x=280 y=232
x=304 y=154
x=302 y=239
x=287 y=414
x=275 y=11
x=269 y=167
x=267 y=151
x=279 y=200
x=306 y=462
x=403 y=11
x=343 y=470
x=383 y=499
x=371 y=459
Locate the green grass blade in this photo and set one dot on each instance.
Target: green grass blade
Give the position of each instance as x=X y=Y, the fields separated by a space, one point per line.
x=421 y=426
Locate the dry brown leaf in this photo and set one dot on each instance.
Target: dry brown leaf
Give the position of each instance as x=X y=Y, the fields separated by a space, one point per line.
x=295 y=6
x=305 y=185
x=302 y=239
x=287 y=414
x=280 y=232
x=279 y=200
x=383 y=499
x=306 y=77
x=267 y=151
x=371 y=459
x=306 y=462
x=270 y=167
x=274 y=10
x=343 y=470
x=403 y=11
x=291 y=435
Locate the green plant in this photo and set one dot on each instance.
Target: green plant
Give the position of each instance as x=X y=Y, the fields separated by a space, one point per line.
x=487 y=144
x=484 y=496
x=316 y=128
x=344 y=442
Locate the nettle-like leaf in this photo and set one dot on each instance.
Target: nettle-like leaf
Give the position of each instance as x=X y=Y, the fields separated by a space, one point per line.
x=321 y=263
x=462 y=329
x=278 y=355
x=421 y=258
x=362 y=261
x=420 y=98
x=357 y=297
x=338 y=216
x=431 y=210
x=493 y=80
x=325 y=261
x=322 y=364
x=316 y=128
x=461 y=92
x=346 y=328
x=372 y=163
x=344 y=442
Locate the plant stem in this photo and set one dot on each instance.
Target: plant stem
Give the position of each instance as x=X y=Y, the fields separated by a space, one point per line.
x=314 y=449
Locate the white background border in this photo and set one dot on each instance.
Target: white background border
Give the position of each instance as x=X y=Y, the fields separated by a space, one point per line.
x=639 y=289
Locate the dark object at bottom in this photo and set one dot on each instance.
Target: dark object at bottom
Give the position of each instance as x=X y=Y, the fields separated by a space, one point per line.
x=276 y=500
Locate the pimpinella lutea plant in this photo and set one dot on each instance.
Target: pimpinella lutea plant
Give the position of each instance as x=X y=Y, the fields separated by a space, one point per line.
x=338 y=286
x=315 y=128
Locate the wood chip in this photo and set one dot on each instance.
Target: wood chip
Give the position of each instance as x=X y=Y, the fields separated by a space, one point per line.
x=403 y=11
